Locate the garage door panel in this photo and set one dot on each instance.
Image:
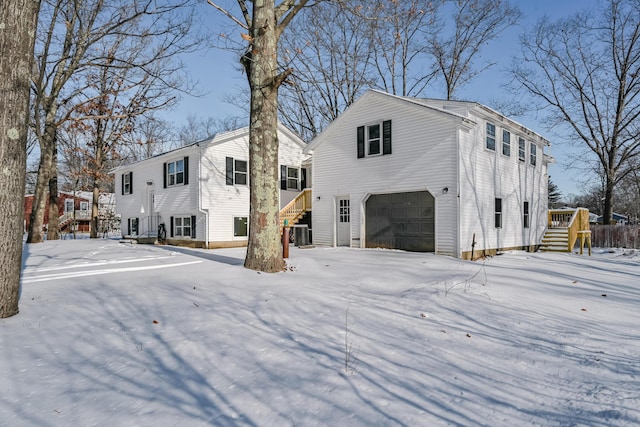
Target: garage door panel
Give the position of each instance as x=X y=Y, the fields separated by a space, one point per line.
x=401 y=221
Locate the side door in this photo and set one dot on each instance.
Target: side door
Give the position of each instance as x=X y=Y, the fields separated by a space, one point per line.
x=343 y=222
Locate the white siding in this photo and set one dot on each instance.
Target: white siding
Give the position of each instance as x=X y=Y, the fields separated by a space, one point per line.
x=433 y=149
x=486 y=175
x=207 y=197
x=423 y=158
x=179 y=200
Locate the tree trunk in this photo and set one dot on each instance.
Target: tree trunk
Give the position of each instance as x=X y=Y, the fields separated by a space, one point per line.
x=47 y=171
x=607 y=211
x=94 y=209
x=53 y=230
x=17 y=31
x=264 y=250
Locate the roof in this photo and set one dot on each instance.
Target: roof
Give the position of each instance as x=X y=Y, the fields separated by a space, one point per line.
x=215 y=140
x=432 y=104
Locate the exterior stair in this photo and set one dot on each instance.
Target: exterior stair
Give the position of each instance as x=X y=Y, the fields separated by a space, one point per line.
x=296 y=209
x=555 y=240
x=566 y=227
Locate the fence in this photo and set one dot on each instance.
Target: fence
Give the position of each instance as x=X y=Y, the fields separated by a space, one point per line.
x=615 y=236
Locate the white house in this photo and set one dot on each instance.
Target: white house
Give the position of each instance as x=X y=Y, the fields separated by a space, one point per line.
x=449 y=177
x=198 y=195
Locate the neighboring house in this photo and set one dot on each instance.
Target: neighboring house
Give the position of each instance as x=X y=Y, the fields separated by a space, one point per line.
x=616 y=219
x=198 y=195
x=449 y=177
x=72 y=209
x=108 y=220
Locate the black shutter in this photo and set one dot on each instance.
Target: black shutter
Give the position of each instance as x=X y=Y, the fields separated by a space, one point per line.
x=122 y=184
x=186 y=170
x=386 y=137
x=164 y=175
x=128 y=226
x=360 y=142
x=283 y=177
x=170 y=226
x=303 y=180
x=193 y=226
x=130 y=182
x=229 y=170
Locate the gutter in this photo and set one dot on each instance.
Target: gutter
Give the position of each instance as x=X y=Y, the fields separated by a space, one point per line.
x=205 y=212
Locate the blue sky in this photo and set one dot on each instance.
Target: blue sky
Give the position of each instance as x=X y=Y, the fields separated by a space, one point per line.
x=218 y=74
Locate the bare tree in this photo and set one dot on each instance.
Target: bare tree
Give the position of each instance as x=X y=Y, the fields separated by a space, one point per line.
x=330 y=49
x=265 y=23
x=18 y=19
x=455 y=45
x=198 y=128
x=71 y=41
x=400 y=32
x=584 y=72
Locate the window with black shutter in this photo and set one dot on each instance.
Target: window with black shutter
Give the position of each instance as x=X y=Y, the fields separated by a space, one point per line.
x=236 y=171
x=374 y=139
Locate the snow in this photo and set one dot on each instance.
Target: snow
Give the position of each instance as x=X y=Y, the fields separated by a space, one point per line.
x=139 y=335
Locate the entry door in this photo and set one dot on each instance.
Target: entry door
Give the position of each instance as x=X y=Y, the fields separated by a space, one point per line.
x=152 y=199
x=343 y=227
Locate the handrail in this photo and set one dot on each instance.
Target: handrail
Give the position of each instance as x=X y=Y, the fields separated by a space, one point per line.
x=297 y=207
x=575 y=220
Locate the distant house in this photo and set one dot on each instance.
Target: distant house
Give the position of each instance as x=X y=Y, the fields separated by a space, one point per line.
x=74 y=212
x=198 y=195
x=616 y=217
x=451 y=177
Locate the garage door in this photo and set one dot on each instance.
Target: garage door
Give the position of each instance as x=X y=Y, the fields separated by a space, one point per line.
x=401 y=221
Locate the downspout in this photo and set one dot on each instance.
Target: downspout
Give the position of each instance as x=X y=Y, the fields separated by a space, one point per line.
x=458 y=222
x=203 y=211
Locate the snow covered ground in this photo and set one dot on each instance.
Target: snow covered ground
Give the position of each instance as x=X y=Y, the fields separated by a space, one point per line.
x=116 y=334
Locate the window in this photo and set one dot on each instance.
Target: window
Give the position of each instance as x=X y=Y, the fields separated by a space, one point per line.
x=127 y=181
x=506 y=143
x=236 y=171
x=532 y=155
x=175 y=173
x=374 y=139
x=84 y=206
x=132 y=226
x=183 y=226
x=344 y=211
x=521 y=149
x=240 y=228
x=289 y=178
x=498 y=213
x=525 y=210
x=68 y=205
x=491 y=136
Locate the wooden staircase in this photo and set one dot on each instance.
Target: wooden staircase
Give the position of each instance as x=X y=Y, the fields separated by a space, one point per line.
x=565 y=226
x=555 y=240
x=296 y=209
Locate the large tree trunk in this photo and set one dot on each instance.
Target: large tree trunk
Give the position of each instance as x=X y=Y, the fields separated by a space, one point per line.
x=17 y=32
x=47 y=180
x=264 y=251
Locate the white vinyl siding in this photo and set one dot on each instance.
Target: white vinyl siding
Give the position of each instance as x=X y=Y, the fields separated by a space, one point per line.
x=415 y=144
x=432 y=150
x=208 y=202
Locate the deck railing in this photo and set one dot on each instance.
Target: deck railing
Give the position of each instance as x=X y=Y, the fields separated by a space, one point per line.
x=575 y=220
x=296 y=208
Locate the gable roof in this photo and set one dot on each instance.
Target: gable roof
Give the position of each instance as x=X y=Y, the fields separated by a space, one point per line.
x=431 y=104
x=372 y=93
x=215 y=140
